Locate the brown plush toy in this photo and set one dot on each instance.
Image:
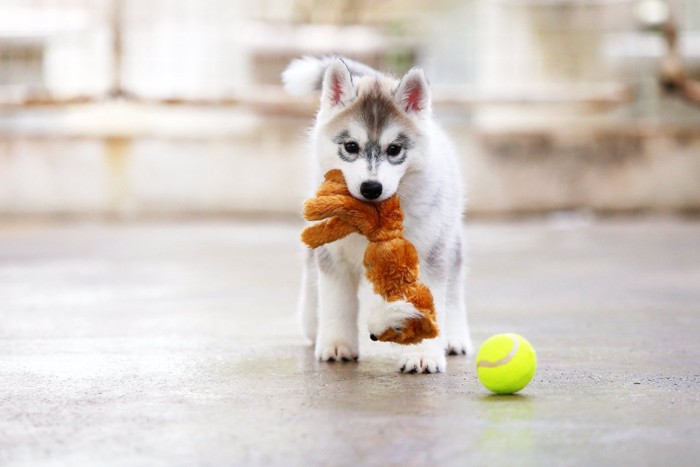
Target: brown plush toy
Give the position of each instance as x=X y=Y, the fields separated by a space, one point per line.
x=390 y=261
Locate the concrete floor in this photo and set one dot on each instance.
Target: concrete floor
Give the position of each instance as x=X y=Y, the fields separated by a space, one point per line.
x=175 y=344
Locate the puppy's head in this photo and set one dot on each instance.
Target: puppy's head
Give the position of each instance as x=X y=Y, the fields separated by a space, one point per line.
x=369 y=127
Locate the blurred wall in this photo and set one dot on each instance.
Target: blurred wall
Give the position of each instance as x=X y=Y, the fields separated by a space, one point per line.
x=173 y=107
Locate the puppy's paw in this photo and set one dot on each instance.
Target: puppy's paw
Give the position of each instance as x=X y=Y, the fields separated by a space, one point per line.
x=337 y=352
x=422 y=363
x=394 y=315
x=459 y=346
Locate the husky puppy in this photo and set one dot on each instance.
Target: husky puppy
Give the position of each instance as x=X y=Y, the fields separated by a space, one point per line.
x=379 y=132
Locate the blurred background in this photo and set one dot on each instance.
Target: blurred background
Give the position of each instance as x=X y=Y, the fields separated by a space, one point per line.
x=152 y=172
x=132 y=109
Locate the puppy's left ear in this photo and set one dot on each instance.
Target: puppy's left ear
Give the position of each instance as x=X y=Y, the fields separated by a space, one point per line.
x=413 y=93
x=337 y=89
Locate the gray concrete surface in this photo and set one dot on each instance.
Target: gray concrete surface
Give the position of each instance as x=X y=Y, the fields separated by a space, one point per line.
x=175 y=344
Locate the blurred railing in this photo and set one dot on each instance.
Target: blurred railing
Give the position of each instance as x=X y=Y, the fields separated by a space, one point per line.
x=132 y=51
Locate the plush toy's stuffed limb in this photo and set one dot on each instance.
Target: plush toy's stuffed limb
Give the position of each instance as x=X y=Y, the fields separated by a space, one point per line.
x=392 y=268
x=391 y=261
x=415 y=330
x=326 y=231
x=364 y=217
x=333 y=200
x=333 y=184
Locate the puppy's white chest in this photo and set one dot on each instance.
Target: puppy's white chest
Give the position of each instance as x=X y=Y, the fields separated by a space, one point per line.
x=351 y=249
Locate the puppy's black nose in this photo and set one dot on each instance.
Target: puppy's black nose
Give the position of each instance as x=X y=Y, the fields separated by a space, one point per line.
x=373 y=337
x=371 y=189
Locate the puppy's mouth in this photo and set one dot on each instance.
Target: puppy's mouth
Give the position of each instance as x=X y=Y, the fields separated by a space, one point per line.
x=382 y=197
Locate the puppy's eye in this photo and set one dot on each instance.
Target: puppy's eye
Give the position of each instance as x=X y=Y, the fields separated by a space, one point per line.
x=351 y=147
x=393 y=150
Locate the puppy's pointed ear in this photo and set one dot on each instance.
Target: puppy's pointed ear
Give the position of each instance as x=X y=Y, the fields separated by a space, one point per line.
x=413 y=93
x=337 y=89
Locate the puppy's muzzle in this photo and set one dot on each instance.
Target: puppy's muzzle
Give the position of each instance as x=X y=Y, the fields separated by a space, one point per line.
x=371 y=189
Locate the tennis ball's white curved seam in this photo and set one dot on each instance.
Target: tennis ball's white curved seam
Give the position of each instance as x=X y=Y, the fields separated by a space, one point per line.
x=503 y=360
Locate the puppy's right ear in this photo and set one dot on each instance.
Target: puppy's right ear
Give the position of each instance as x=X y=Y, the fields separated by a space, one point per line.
x=413 y=94
x=337 y=90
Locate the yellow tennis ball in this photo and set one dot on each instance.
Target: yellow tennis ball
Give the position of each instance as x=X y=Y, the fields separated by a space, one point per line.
x=506 y=363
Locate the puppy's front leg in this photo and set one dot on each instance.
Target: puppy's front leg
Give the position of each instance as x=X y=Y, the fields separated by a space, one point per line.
x=338 y=307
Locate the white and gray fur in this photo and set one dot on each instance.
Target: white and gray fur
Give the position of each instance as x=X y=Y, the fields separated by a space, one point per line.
x=363 y=106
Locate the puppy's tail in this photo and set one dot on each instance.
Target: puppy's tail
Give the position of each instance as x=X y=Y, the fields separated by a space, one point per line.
x=305 y=75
